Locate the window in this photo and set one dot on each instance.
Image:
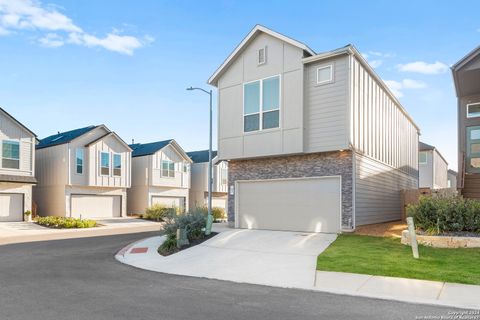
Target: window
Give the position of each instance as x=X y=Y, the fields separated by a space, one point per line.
x=325 y=74
x=117 y=165
x=168 y=168
x=422 y=157
x=11 y=154
x=79 y=161
x=261 y=108
x=185 y=167
x=262 y=55
x=105 y=164
x=473 y=110
x=223 y=175
x=473 y=149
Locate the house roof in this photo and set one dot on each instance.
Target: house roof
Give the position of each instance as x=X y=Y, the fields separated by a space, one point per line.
x=15 y=178
x=466 y=77
x=250 y=36
x=146 y=149
x=200 y=156
x=422 y=146
x=110 y=133
x=466 y=59
x=63 y=137
x=17 y=122
x=452 y=172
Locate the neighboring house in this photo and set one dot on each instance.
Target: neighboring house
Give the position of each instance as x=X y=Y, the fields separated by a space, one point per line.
x=466 y=75
x=315 y=142
x=160 y=175
x=17 y=168
x=83 y=173
x=452 y=179
x=432 y=168
x=199 y=189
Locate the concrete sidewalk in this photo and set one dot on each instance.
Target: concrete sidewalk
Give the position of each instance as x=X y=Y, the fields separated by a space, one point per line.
x=293 y=269
x=18 y=232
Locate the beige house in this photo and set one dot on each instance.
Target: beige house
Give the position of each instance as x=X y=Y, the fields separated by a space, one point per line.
x=160 y=175
x=432 y=168
x=315 y=141
x=17 y=168
x=199 y=188
x=83 y=173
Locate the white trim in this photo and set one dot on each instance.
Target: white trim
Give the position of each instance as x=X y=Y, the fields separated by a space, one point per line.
x=468 y=107
x=330 y=66
x=83 y=161
x=261 y=112
x=109 y=164
x=19 y=142
x=113 y=164
x=236 y=204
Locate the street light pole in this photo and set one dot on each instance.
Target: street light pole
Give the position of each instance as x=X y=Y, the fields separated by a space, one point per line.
x=208 y=227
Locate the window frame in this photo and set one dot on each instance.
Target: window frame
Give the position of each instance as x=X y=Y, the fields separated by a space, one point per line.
x=426 y=157
x=264 y=56
x=261 y=112
x=469 y=154
x=101 y=164
x=468 y=107
x=76 y=161
x=113 y=164
x=168 y=169
x=329 y=66
x=16 y=142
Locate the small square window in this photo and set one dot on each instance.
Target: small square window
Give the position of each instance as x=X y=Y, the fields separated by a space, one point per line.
x=473 y=110
x=422 y=157
x=262 y=55
x=325 y=74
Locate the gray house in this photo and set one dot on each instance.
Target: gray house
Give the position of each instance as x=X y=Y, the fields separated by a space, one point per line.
x=466 y=75
x=452 y=179
x=315 y=141
x=432 y=168
x=17 y=168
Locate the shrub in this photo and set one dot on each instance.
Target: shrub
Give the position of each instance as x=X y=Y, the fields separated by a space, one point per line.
x=169 y=246
x=65 y=223
x=218 y=213
x=193 y=223
x=158 y=212
x=27 y=213
x=441 y=214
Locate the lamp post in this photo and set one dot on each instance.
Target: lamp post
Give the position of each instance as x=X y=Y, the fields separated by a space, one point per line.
x=208 y=228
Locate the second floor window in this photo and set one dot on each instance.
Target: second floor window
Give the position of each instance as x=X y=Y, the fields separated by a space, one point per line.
x=223 y=175
x=79 y=161
x=104 y=163
x=168 y=168
x=117 y=165
x=422 y=157
x=11 y=154
x=261 y=104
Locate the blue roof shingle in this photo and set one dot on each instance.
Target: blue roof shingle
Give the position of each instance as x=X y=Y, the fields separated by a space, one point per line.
x=200 y=156
x=63 y=137
x=145 y=149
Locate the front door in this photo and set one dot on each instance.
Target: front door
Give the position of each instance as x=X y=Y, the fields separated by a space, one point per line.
x=473 y=149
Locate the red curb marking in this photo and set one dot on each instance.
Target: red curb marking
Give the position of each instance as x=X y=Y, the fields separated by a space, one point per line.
x=139 y=250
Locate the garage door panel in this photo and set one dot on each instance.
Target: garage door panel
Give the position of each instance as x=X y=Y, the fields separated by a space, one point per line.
x=95 y=206
x=11 y=207
x=310 y=205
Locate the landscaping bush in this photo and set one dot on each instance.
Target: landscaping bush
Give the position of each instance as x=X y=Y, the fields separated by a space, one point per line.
x=65 y=223
x=436 y=215
x=217 y=212
x=158 y=212
x=169 y=246
x=193 y=223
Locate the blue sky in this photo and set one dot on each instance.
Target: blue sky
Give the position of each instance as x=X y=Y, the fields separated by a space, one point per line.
x=67 y=64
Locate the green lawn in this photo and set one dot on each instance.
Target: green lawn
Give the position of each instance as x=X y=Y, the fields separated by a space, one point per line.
x=388 y=257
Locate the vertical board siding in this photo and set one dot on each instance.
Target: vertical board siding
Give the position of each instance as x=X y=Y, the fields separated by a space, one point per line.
x=380 y=129
x=378 y=186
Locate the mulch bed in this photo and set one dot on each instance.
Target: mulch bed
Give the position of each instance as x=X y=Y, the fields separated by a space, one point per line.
x=191 y=244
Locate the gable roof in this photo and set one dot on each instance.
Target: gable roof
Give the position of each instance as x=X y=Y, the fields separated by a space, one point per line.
x=17 y=122
x=466 y=59
x=200 y=156
x=250 y=36
x=63 y=137
x=466 y=81
x=146 y=149
x=110 y=133
x=424 y=147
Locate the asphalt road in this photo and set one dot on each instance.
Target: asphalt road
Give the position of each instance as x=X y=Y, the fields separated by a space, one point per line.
x=80 y=279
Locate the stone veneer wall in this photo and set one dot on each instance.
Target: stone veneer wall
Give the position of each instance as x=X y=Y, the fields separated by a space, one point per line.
x=297 y=166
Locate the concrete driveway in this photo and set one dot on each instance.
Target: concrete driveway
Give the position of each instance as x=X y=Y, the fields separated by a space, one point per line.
x=275 y=258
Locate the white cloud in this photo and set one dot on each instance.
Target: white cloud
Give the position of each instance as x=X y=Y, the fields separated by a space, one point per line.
x=423 y=67
x=52 y=40
x=32 y=15
x=375 y=63
x=376 y=58
x=397 y=87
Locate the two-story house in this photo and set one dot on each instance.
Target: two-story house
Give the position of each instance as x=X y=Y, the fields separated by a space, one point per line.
x=83 y=173
x=466 y=76
x=160 y=175
x=432 y=168
x=17 y=168
x=315 y=142
x=199 y=188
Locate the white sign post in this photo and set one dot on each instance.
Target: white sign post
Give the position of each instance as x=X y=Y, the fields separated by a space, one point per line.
x=413 y=237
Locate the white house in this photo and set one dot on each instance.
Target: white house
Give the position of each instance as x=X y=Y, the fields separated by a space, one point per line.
x=83 y=173
x=17 y=168
x=432 y=168
x=160 y=175
x=199 y=188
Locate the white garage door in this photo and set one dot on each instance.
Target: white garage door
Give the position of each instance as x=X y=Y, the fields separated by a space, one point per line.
x=308 y=205
x=11 y=207
x=170 y=202
x=95 y=206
